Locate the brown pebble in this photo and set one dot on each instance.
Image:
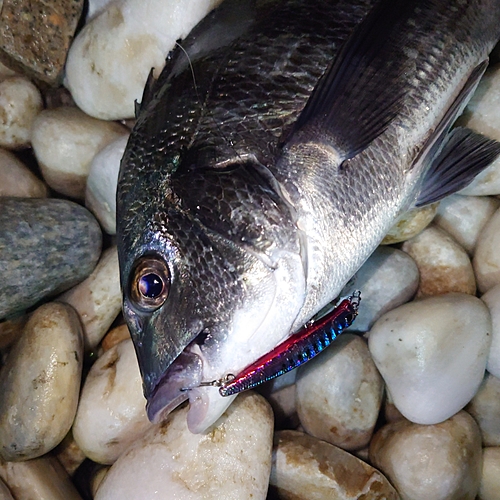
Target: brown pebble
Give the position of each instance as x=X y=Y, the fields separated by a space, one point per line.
x=115 y=336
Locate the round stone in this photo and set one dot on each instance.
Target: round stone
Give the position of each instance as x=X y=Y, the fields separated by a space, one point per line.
x=305 y=468
x=231 y=460
x=441 y=461
x=40 y=383
x=490 y=478
x=432 y=354
x=492 y=299
x=343 y=411
x=443 y=264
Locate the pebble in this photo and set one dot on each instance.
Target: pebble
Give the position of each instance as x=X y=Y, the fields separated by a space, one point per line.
x=432 y=354
x=65 y=140
x=38 y=479
x=481 y=116
x=40 y=383
x=492 y=299
x=100 y=195
x=110 y=59
x=438 y=462
x=35 y=36
x=350 y=401
x=4 y=492
x=490 y=478
x=410 y=223
x=69 y=454
x=388 y=279
x=305 y=468
x=463 y=217
x=20 y=104
x=443 y=264
x=486 y=259
x=111 y=414
x=17 y=180
x=98 y=299
x=115 y=336
x=485 y=408
x=232 y=460
x=48 y=245
x=11 y=330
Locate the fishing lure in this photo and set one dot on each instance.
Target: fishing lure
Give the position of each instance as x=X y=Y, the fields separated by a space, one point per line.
x=301 y=347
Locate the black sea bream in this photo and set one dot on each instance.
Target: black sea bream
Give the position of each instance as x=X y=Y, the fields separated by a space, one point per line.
x=269 y=160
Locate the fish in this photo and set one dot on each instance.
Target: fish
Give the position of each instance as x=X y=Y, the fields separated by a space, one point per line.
x=268 y=160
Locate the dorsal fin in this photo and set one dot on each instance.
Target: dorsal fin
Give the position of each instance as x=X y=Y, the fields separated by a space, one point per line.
x=358 y=96
x=147 y=93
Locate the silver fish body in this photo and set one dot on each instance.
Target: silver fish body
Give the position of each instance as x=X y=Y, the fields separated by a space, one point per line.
x=266 y=168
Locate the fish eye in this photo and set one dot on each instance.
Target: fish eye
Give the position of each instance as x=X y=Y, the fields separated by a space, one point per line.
x=150 y=283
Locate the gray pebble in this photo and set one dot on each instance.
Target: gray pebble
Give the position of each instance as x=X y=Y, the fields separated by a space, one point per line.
x=46 y=246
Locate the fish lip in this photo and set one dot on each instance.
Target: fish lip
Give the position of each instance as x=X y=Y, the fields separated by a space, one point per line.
x=172 y=389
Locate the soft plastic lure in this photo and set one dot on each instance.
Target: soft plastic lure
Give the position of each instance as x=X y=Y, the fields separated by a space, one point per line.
x=295 y=351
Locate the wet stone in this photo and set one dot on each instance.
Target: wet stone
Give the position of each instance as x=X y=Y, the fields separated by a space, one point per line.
x=35 y=35
x=47 y=246
x=344 y=410
x=388 y=279
x=305 y=468
x=231 y=460
x=439 y=462
x=40 y=383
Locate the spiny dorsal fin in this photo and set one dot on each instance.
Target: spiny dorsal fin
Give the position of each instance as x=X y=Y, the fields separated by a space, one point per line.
x=147 y=93
x=358 y=96
x=464 y=155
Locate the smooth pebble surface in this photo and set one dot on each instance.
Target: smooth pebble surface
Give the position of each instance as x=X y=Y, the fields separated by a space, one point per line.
x=489 y=488
x=350 y=401
x=232 y=460
x=388 y=279
x=4 y=492
x=487 y=255
x=65 y=140
x=443 y=264
x=47 y=246
x=432 y=354
x=431 y=462
x=112 y=410
x=305 y=468
x=40 y=383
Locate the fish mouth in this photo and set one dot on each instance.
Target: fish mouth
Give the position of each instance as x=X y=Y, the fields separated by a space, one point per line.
x=184 y=374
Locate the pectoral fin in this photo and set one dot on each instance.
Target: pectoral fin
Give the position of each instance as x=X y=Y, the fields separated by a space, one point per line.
x=465 y=154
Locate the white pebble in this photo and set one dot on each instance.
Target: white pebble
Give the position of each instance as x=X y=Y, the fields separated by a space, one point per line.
x=20 y=103
x=490 y=477
x=40 y=383
x=39 y=479
x=463 y=217
x=432 y=354
x=306 y=468
x=344 y=410
x=443 y=264
x=485 y=408
x=486 y=260
x=481 y=115
x=111 y=413
x=387 y=279
x=110 y=59
x=100 y=196
x=98 y=299
x=492 y=299
x=65 y=140
x=232 y=460
x=438 y=462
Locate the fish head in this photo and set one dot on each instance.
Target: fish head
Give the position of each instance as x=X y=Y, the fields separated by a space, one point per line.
x=199 y=304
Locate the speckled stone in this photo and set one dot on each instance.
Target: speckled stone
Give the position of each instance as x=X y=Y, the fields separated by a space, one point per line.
x=438 y=462
x=492 y=299
x=47 y=246
x=35 y=35
x=343 y=411
x=305 y=468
